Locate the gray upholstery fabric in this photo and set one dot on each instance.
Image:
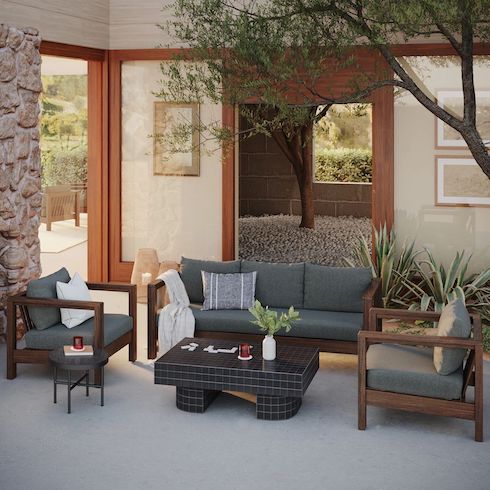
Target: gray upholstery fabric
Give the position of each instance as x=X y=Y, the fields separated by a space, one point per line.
x=327 y=325
x=278 y=285
x=454 y=322
x=190 y=273
x=45 y=287
x=410 y=370
x=58 y=335
x=228 y=291
x=335 y=288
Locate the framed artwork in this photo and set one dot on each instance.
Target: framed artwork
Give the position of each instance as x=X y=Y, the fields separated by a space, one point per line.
x=168 y=117
x=452 y=101
x=461 y=182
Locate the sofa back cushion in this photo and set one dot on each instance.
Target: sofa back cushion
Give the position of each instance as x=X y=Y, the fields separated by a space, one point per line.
x=190 y=273
x=335 y=288
x=45 y=287
x=278 y=285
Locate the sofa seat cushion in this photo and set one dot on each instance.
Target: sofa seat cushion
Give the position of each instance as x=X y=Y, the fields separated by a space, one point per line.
x=190 y=273
x=115 y=325
x=410 y=370
x=278 y=285
x=335 y=288
x=45 y=287
x=327 y=325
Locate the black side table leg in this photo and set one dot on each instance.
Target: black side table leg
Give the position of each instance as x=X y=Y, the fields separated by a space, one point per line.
x=69 y=391
x=102 y=386
x=86 y=382
x=55 y=378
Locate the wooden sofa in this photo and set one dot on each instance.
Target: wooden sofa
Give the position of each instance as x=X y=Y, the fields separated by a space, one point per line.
x=276 y=292
x=60 y=203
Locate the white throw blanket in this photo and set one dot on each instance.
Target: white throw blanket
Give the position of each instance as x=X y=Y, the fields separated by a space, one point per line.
x=176 y=320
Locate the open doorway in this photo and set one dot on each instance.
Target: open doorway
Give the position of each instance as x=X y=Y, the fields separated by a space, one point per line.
x=64 y=161
x=270 y=201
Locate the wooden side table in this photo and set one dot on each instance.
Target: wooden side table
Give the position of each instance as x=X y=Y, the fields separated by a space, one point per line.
x=78 y=363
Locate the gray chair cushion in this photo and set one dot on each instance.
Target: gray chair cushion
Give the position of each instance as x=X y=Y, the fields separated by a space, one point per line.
x=410 y=370
x=45 y=287
x=335 y=288
x=454 y=322
x=327 y=325
x=115 y=325
x=228 y=291
x=278 y=285
x=190 y=273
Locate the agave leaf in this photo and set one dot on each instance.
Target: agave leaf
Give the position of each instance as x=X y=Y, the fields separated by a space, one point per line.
x=453 y=272
x=425 y=302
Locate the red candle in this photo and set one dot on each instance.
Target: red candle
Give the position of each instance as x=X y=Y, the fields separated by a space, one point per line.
x=78 y=342
x=245 y=350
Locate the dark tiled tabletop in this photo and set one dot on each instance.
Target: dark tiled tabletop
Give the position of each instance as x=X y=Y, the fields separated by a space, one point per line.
x=288 y=375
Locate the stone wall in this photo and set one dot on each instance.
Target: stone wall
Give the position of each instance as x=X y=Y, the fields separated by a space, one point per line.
x=20 y=178
x=268 y=185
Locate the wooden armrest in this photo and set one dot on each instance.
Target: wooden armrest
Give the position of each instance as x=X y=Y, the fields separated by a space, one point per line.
x=376 y=314
x=152 y=311
x=97 y=306
x=112 y=286
x=369 y=337
x=156 y=284
x=372 y=290
x=23 y=300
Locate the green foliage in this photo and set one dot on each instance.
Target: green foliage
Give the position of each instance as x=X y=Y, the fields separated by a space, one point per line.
x=64 y=166
x=394 y=268
x=439 y=285
x=269 y=321
x=344 y=126
x=287 y=54
x=486 y=338
x=343 y=165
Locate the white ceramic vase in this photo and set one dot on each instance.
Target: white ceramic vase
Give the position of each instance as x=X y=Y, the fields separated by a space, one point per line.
x=269 y=348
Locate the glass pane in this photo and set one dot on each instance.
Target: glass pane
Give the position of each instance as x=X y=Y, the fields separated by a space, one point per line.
x=174 y=214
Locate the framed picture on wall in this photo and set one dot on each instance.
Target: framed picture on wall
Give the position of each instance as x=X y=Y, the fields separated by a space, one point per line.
x=461 y=182
x=452 y=101
x=172 y=124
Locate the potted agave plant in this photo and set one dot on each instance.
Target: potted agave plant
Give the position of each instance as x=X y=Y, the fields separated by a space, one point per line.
x=270 y=322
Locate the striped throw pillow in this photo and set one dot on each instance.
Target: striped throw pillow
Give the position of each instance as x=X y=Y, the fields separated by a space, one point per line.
x=228 y=291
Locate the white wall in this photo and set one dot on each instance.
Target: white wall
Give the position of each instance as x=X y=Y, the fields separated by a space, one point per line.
x=444 y=230
x=79 y=22
x=175 y=215
x=134 y=24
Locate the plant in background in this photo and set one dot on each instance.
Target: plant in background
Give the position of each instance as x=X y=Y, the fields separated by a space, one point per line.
x=64 y=166
x=394 y=269
x=343 y=165
x=438 y=285
x=269 y=320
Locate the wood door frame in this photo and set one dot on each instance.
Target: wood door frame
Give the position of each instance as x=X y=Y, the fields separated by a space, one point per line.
x=97 y=269
x=120 y=270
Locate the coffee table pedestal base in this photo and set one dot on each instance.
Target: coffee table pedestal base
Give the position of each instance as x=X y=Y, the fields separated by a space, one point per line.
x=277 y=407
x=195 y=400
x=268 y=407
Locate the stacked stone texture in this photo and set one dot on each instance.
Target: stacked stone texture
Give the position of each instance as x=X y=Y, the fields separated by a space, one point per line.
x=20 y=169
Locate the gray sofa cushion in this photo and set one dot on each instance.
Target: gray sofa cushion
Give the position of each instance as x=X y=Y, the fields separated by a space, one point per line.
x=455 y=321
x=45 y=287
x=335 y=288
x=410 y=370
x=58 y=335
x=190 y=272
x=328 y=325
x=278 y=285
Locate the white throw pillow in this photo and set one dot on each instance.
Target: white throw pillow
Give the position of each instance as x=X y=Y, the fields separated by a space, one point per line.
x=76 y=289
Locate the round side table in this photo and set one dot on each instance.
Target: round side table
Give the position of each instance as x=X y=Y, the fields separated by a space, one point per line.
x=78 y=363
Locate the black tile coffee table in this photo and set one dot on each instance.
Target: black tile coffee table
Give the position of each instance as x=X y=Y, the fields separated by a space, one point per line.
x=200 y=376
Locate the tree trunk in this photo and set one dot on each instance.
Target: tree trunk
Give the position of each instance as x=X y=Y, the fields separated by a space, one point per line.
x=307 y=204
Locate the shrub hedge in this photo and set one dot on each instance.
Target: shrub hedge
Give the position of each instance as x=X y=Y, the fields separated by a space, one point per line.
x=343 y=165
x=64 y=167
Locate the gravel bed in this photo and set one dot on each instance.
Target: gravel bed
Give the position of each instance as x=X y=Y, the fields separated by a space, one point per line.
x=279 y=239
